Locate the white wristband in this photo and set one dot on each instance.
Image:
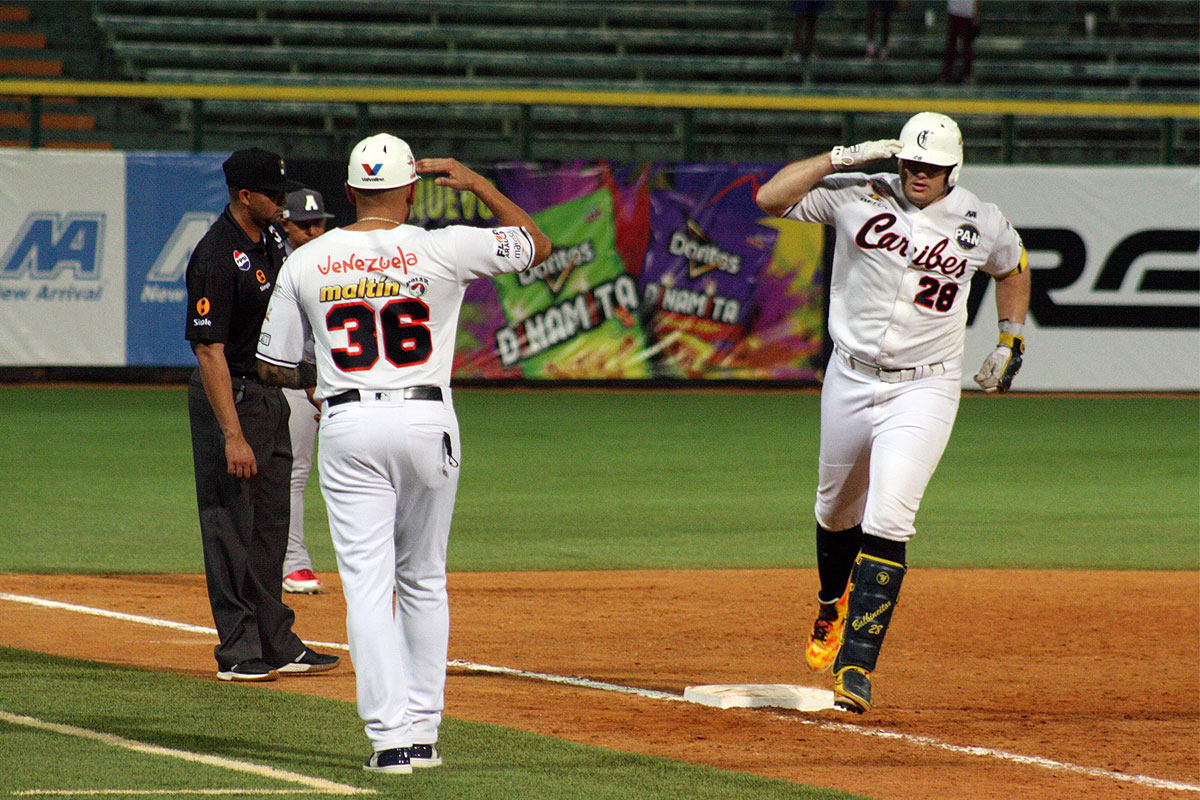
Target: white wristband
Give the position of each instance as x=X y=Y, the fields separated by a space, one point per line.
x=1012 y=328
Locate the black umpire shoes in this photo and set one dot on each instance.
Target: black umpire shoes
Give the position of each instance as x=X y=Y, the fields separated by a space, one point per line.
x=254 y=669
x=309 y=662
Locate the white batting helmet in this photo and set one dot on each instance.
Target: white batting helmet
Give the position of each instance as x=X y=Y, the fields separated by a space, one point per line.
x=381 y=161
x=932 y=138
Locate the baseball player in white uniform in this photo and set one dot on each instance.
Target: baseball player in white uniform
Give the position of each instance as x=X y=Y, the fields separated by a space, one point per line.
x=907 y=246
x=304 y=219
x=381 y=301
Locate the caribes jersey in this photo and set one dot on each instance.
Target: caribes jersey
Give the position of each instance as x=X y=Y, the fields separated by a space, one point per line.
x=382 y=306
x=901 y=275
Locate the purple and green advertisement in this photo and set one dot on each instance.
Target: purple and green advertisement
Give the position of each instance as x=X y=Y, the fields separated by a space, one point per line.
x=657 y=271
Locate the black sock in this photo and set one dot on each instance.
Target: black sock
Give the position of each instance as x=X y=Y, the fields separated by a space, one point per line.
x=885 y=548
x=836 y=551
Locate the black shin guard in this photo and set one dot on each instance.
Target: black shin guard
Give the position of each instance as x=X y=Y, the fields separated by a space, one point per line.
x=836 y=551
x=874 y=592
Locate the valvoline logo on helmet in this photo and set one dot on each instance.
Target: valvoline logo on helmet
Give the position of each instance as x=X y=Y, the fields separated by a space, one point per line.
x=381 y=161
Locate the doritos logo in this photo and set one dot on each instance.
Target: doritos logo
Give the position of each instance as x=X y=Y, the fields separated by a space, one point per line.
x=701 y=254
x=242 y=260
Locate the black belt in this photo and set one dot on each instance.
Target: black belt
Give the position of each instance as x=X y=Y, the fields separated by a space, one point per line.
x=410 y=393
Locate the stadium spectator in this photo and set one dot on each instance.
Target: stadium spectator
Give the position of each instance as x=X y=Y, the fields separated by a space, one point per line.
x=962 y=26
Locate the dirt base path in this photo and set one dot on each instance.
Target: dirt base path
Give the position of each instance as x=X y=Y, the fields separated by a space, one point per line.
x=1095 y=675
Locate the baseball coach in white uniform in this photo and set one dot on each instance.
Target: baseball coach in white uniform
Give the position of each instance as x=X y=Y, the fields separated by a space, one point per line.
x=907 y=247
x=381 y=300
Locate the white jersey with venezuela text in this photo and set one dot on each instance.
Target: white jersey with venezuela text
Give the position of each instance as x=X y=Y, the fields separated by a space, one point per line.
x=901 y=274
x=382 y=306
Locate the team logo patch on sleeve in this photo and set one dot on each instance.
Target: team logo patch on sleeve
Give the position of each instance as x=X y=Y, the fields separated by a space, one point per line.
x=242 y=260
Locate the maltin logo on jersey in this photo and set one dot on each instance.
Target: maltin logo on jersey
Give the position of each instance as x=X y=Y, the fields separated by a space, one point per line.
x=967 y=236
x=242 y=260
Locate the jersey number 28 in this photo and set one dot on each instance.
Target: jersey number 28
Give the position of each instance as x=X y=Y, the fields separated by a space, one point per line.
x=935 y=294
x=406 y=339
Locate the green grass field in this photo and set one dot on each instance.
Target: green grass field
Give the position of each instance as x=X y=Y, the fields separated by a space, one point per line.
x=99 y=479
x=304 y=735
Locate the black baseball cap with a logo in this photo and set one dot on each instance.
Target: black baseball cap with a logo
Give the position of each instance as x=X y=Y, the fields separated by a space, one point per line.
x=257 y=169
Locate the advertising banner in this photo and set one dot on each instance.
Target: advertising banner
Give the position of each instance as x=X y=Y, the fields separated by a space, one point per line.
x=659 y=270
x=62 y=258
x=1115 y=255
x=173 y=200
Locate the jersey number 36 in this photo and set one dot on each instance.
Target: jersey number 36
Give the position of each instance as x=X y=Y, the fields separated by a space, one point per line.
x=405 y=339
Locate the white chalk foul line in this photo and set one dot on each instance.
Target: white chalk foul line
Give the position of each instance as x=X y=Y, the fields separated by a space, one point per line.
x=314 y=784
x=584 y=683
x=587 y=683
x=987 y=752
x=147 y=792
x=41 y=602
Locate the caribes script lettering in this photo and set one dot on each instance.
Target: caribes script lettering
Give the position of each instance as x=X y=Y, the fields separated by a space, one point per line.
x=930 y=257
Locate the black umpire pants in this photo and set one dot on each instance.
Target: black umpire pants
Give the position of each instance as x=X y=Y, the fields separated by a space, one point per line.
x=244 y=524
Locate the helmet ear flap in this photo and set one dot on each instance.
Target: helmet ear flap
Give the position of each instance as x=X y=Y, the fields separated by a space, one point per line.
x=953 y=179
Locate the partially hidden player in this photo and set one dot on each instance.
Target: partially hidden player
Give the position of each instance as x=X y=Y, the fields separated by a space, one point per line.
x=240 y=444
x=304 y=219
x=381 y=299
x=907 y=247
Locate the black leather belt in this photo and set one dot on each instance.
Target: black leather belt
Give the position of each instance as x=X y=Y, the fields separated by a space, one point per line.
x=409 y=392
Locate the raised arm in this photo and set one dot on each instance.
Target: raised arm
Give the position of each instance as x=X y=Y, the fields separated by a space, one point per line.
x=789 y=186
x=508 y=214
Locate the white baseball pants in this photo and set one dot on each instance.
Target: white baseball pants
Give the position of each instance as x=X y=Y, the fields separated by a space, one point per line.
x=880 y=443
x=302 y=425
x=389 y=475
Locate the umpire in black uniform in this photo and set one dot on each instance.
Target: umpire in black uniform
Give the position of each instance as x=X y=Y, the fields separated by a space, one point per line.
x=240 y=444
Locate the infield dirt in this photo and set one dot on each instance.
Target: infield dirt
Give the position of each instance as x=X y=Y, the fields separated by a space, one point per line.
x=1095 y=671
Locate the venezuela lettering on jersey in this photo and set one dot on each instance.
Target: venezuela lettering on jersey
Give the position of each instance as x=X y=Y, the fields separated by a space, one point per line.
x=875 y=234
x=357 y=263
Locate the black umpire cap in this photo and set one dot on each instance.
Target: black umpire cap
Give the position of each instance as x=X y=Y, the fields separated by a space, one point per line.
x=257 y=169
